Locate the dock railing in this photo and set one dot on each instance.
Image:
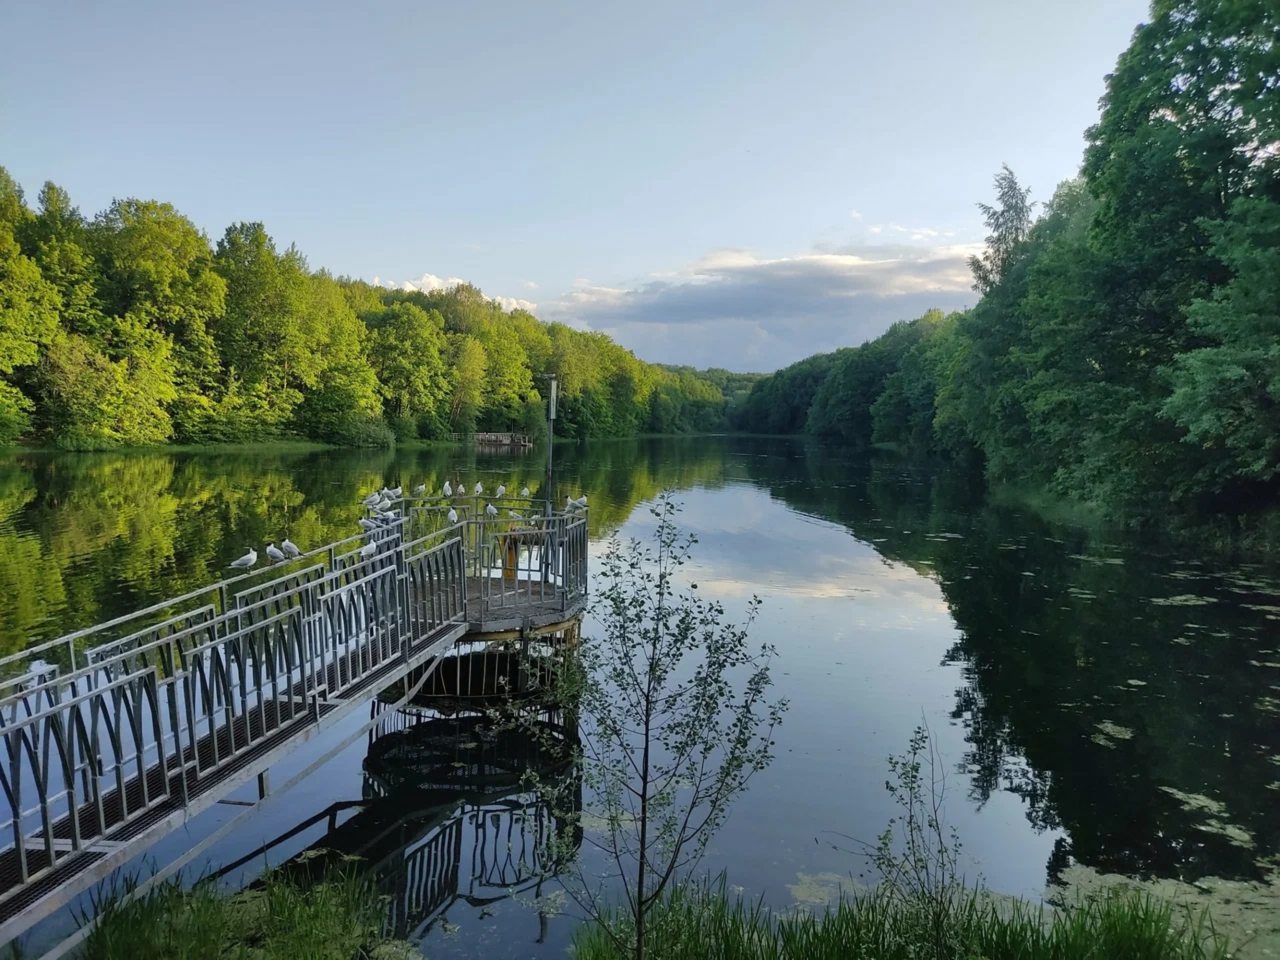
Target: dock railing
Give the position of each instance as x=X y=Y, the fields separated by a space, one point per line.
x=108 y=732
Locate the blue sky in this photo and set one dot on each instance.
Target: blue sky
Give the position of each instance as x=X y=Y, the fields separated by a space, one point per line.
x=739 y=184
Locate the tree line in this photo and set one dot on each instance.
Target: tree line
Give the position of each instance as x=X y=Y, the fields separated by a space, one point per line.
x=1126 y=347
x=130 y=328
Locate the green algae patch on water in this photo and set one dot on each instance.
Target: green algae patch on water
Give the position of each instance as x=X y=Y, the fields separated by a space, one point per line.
x=820 y=889
x=1245 y=912
x=1182 y=600
x=1114 y=730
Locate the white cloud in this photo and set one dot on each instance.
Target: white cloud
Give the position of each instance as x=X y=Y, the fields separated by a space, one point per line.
x=737 y=309
x=429 y=282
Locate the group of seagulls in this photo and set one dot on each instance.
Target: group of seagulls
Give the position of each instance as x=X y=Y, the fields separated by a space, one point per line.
x=382 y=515
x=288 y=550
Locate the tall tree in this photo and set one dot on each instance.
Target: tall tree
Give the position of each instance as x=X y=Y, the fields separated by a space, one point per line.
x=1008 y=222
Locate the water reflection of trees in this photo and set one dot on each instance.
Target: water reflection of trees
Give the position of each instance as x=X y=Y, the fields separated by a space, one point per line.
x=86 y=537
x=1137 y=726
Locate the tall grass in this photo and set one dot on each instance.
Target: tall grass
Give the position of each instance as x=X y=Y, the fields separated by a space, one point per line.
x=337 y=918
x=700 y=922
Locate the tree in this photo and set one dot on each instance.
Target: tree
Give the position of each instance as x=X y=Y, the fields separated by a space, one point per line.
x=675 y=719
x=1008 y=221
x=1226 y=394
x=29 y=307
x=158 y=273
x=469 y=364
x=405 y=350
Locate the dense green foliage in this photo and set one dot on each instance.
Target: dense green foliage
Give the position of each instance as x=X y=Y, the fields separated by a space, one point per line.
x=1126 y=349
x=693 y=923
x=131 y=329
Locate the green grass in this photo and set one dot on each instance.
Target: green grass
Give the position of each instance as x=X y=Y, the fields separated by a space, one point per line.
x=700 y=922
x=337 y=918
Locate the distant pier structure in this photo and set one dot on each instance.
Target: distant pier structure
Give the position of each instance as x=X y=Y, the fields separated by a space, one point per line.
x=114 y=736
x=522 y=441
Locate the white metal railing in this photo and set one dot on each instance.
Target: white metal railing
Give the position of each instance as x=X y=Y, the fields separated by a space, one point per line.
x=105 y=725
x=134 y=714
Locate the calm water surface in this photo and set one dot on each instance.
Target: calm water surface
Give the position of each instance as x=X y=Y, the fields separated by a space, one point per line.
x=1100 y=702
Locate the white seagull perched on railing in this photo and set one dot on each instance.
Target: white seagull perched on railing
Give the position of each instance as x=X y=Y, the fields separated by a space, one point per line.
x=290 y=548
x=372 y=498
x=38 y=671
x=368 y=550
x=245 y=562
x=395 y=493
x=525 y=493
x=490 y=510
x=420 y=490
x=274 y=552
x=448 y=489
x=453 y=515
x=367 y=525
x=501 y=491
x=479 y=488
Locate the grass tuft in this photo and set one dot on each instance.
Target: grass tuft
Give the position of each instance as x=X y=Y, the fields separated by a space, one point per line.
x=338 y=918
x=701 y=922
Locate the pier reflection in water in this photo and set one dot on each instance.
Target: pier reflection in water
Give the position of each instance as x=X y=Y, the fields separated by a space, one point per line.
x=458 y=807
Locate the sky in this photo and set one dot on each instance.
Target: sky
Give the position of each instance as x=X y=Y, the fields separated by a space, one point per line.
x=722 y=184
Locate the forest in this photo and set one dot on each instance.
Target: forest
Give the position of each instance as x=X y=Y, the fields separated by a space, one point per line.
x=1125 y=351
x=131 y=329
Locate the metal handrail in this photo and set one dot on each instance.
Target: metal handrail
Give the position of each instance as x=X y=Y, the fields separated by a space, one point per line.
x=144 y=711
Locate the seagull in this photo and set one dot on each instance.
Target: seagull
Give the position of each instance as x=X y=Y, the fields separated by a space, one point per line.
x=395 y=493
x=514 y=516
x=448 y=490
x=479 y=488
x=367 y=524
x=453 y=515
x=568 y=504
x=290 y=548
x=245 y=562
x=372 y=498
x=420 y=490
x=368 y=550
x=581 y=502
x=525 y=492
x=501 y=491
x=274 y=553
x=490 y=510
x=38 y=672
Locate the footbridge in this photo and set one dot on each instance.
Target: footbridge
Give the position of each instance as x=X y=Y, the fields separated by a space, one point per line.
x=115 y=735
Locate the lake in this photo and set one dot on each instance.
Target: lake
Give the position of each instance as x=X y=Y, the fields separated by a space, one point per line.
x=1104 y=704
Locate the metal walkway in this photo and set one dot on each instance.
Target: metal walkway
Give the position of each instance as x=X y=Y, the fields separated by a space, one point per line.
x=113 y=736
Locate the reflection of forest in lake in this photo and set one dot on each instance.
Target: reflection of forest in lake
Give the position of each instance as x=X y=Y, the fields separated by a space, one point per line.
x=85 y=537
x=1128 y=695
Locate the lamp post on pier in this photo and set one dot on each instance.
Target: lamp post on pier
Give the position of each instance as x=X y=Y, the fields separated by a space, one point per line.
x=551 y=441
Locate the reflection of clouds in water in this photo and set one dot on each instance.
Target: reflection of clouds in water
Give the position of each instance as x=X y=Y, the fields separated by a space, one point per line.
x=750 y=544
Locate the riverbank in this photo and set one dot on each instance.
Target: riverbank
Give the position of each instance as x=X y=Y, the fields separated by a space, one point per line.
x=340 y=918
x=694 y=923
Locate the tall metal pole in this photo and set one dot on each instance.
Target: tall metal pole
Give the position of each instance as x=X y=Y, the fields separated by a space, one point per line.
x=551 y=443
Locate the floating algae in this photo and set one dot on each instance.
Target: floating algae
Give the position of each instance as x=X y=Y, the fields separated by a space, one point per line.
x=1246 y=912
x=819 y=888
x=1114 y=730
x=1216 y=824
x=1182 y=600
